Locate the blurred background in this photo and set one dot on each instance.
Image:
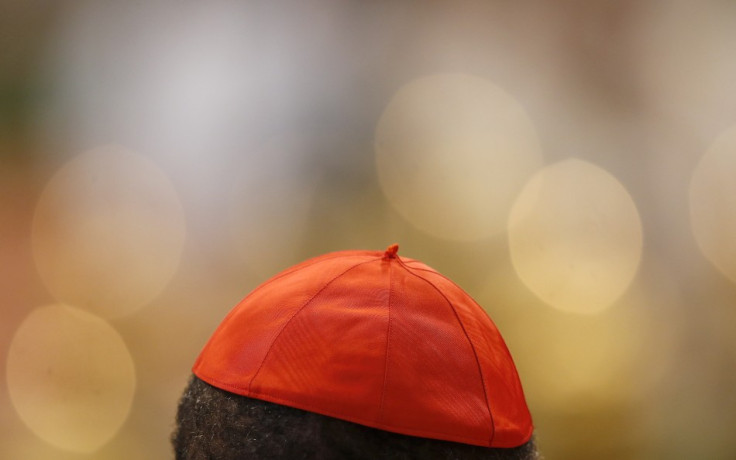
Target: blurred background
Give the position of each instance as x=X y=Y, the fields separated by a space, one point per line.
x=570 y=164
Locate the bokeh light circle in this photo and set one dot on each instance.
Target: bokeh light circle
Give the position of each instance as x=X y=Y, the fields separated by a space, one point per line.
x=575 y=237
x=70 y=377
x=452 y=152
x=108 y=231
x=713 y=203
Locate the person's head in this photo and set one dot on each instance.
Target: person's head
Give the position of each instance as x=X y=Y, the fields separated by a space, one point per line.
x=355 y=354
x=216 y=424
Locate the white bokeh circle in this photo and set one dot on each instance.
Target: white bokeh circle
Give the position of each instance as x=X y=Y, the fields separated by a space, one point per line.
x=575 y=237
x=452 y=152
x=108 y=231
x=713 y=203
x=70 y=377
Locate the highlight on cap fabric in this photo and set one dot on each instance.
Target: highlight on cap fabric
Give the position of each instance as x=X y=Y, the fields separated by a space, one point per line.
x=377 y=339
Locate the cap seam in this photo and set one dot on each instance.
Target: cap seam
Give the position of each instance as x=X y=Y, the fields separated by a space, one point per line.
x=284 y=273
x=270 y=347
x=483 y=310
x=388 y=341
x=470 y=342
x=430 y=269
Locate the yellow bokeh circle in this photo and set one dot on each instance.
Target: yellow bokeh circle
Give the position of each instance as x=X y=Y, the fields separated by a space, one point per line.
x=713 y=204
x=575 y=237
x=108 y=231
x=70 y=377
x=452 y=152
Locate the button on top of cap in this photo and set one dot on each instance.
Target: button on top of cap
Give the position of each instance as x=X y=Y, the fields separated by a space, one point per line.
x=391 y=251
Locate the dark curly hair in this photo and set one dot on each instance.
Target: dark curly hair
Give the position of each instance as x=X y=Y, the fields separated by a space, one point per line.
x=215 y=424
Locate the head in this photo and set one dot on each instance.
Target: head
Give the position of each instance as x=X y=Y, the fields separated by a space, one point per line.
x=215 y=424
x=355 y=354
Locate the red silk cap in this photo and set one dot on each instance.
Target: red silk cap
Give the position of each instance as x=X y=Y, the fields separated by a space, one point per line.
x=376 y=339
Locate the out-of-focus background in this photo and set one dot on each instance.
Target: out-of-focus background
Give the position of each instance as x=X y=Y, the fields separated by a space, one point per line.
x=570 y=164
